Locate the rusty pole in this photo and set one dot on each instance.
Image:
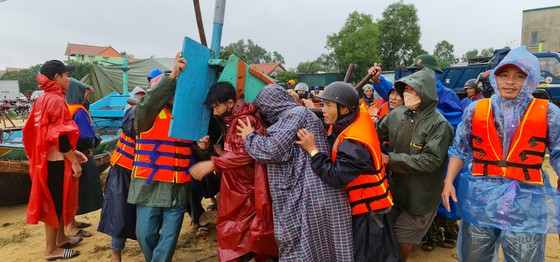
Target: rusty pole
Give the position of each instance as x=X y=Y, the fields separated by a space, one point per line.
x=199 y=23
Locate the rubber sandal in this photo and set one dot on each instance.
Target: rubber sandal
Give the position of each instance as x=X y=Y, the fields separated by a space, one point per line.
x=83 y=233
x=428 y=246
x=449 y=243
x=202 y=232
x=212 y=207
x=68 y=253
x=73 y=242
x=208 y=217
x=82 y=224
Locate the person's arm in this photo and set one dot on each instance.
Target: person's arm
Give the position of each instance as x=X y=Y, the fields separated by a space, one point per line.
x=75 y=157
x=553 y=139
x=433 y=155
x=157 y=97
x=276 y=145
x=453 y=168
x=352 y=159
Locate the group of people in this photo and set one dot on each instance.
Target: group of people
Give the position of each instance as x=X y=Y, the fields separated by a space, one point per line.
x=361 y=184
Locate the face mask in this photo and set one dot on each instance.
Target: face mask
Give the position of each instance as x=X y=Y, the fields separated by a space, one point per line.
x=411 y=101
x=302 y=96
x=223 y=116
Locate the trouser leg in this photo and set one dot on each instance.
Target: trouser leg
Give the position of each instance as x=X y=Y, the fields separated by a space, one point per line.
x=477 y=244
x=170 y=229
x=148 y=224
x=522 y=246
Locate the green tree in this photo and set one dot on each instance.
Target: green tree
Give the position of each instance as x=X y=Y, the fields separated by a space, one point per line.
x=25 y=77
x=328 y=61
x=309 y=67
x=356 y=43
x=399 y=32
x=251 y=53
x=444 y=53
x=470 y=55
x=82 y=69
x=487 y=52
x=283 y=77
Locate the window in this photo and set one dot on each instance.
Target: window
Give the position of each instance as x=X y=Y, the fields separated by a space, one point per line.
x=534 y=39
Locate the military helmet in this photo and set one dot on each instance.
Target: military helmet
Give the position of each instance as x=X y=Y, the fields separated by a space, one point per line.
x=343 y=94
x=425 y=60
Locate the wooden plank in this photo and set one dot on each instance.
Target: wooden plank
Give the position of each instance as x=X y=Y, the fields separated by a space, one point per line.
x=190 y=116
x=240 y=83
x=254 y=81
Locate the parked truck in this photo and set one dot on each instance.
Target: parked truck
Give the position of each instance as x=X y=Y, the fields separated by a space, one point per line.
x=455 y=77
x=9 y=90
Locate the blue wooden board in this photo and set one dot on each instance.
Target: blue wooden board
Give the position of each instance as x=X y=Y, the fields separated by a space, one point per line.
x=190 y=116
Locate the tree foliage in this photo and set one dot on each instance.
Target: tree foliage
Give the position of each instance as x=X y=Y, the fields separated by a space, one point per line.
x=487 y=52
x=25 y=77
x=309 y=67
x=356 y=43
x=399 y=31
x=444 y=53
x=251 y=53
x=82 y=69
x=283 y=77
x=471 y=54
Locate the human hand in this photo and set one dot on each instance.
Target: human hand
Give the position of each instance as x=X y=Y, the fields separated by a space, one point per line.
x=375 y=71
x=244 y=128
x=199 y=170
x=80 y=157
x=306 y=140
x=76 y=169
x=179 y=66
x=448 y=191
x=385 y=159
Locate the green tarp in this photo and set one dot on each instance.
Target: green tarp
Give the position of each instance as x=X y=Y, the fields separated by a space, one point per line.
x=108 y=79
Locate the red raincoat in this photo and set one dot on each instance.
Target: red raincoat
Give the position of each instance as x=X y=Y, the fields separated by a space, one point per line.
x=49 y=119
x=245 y=208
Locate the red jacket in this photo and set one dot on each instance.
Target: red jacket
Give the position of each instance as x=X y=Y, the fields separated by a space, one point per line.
x=245 y=208
x=49 y=119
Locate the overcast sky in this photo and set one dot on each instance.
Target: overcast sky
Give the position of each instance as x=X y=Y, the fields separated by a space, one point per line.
x=33 y=31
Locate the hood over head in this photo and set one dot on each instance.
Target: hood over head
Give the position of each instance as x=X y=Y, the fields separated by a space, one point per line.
x=528 y=63
x=424 y=83
x=272 y=100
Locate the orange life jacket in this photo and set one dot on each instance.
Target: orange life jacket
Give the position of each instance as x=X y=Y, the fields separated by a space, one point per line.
x=383 y=111
x=160 y=157
x=372 y=110
x=123 y=155
x=368 y=192
x=73 y=108
x=526 y=154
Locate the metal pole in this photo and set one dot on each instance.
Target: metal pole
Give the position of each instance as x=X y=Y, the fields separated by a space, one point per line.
x=218 y=25
x=125 y=73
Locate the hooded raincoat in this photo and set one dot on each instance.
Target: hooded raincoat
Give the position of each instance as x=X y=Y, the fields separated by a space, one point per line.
x=245 y=215
x=500 y=202
x=312 y=220
x=419 y=140
x=49 y=119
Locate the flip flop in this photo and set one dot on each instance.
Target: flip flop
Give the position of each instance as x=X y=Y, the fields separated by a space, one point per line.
x=202 y=232
x=68 y=253
x=83 y=233
x=212 y=207
x=449 y=243
x=82 y=224
x=428 y=246
x=73 y=242
x=208 y=217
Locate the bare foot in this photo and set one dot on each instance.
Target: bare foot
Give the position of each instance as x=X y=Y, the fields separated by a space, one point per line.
x=115 y=255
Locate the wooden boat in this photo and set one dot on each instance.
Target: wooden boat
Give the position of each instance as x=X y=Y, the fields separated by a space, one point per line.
x=15 y=183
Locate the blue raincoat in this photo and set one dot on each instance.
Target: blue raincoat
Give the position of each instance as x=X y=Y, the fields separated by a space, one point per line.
x=500 y=202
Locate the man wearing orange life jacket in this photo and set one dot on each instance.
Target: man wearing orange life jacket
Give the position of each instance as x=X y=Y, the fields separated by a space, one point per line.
x=356 y=165
x=503 y=139
x=118 y=218
x=160 y=171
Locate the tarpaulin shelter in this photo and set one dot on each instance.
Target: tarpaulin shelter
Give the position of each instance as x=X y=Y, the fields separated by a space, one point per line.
x=108 y=79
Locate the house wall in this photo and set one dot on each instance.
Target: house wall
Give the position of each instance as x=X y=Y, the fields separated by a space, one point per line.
x=541 y=25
